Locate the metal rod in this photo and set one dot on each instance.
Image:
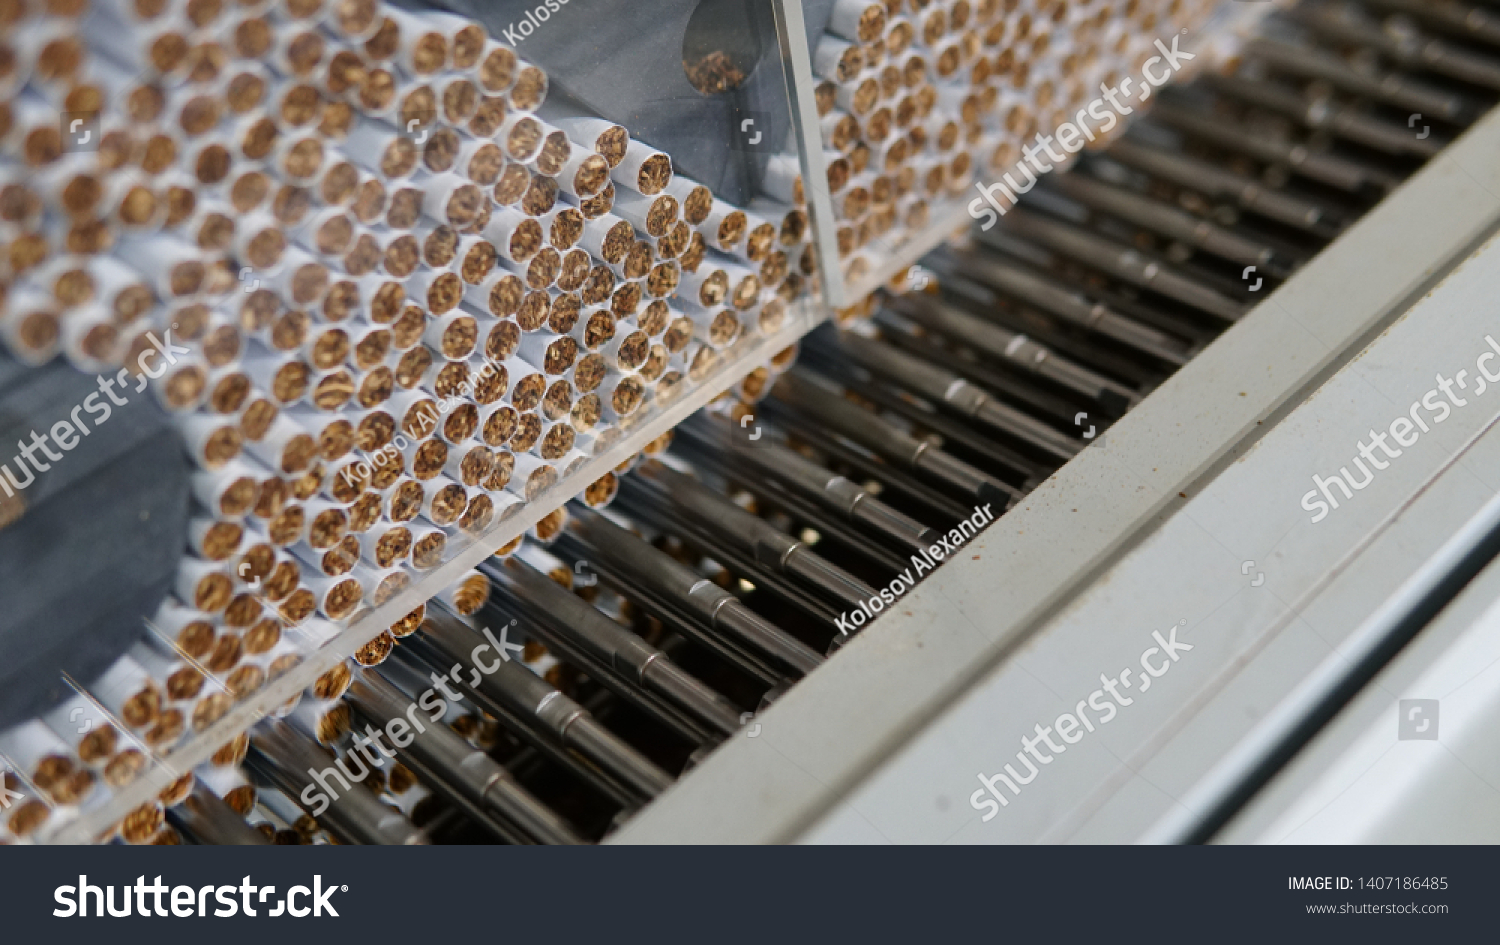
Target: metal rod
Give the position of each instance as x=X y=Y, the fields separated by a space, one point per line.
x=457 y=768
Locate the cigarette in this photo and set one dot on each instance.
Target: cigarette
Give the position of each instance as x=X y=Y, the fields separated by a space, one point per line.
x=724 y=227
x=445 y=379
x=706 y=288
x=553 y=352
x=564 y=226
x=471 y=463
x=692 y=257
x=590 y=329
x=438 y=245
x=596 y=289
x=328 y=721
x=302 y=279
x=702 y=361
x=440 y=150
x=331 y=389
x=407 y=327
x=211 y=440
x=760 y=239
x=299 y=158
x=541 y=196
x=375 y=652
x=655 y=317
x=558 y=400
x=652 y=215
x=370 y=200
x=409 y=623
x=719 y=327
x=554 y=154
x=287 y=527
x=190 y=630
x=500 y=477
x=517 y=237
x=621 y=396
x=495 y=68
x=375 y=386
x=230 y=784
x=609 y=238
x=415 y=410
x=638 y=261
x=370 y=345
x=531 y=476
x=510 y=185
x=127 y=692
x=342 y=75
x=656 y=363
x=582 y=174
x=675 y=242
x=931 y=176
x=679 y=332
x=283 y=580
x=387 y=299
x=643 y=169
x=428 y=544
x=443 y=501
x=298 y=606
x=421 y=44
x=497 y=424
x=341 y=558
x=411 y=367
x=529 y=90
x=89 y=338
x=452 y=199
x=389 y=156
x=286 y=446
x=403 y=503
x=860 y=20
x=774 y=269
x=337 y=597
x=467 y=595
x=214 y=540
x=597 y=206
x=458 y=424
x=585 y=413
x=426 y=458
x=556 y=440
x=499 y=293
x=528 y=431
x=272 y=497
x=204 y=584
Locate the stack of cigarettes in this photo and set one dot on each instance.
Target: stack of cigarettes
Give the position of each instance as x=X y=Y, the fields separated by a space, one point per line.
x=918 y=99
x=387 y=294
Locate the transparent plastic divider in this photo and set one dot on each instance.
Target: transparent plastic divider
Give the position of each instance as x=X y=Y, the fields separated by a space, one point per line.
x=739 y=359
x=791 y=31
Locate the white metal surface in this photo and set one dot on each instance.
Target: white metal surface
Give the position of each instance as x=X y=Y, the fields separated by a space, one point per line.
x=1258 y=594
x=826 y=736
x=1361 y=781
